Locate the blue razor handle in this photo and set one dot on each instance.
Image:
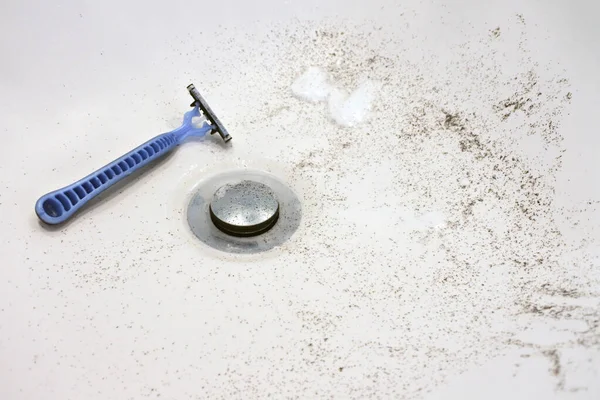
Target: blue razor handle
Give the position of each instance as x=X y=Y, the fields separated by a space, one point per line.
x=58 y=206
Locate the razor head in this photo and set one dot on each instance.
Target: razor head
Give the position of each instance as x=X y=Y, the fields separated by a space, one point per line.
x=208 y=113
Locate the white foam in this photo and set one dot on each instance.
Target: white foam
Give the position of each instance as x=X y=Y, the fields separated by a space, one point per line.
x=346 y=109
x=312 y=85
x=350 y=110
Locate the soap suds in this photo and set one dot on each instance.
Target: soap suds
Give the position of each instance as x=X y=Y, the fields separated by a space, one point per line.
x=312 y=85
x=346 y=109
x=350 y=110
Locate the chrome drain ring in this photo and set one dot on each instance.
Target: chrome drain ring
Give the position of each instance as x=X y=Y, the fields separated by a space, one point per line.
x=261 y=234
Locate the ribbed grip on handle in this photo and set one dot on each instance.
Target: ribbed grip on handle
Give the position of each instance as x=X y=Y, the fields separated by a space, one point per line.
x=58 y=206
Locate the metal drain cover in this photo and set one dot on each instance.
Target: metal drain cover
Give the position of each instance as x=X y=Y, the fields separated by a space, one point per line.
x=247 y=208
x=243 y=211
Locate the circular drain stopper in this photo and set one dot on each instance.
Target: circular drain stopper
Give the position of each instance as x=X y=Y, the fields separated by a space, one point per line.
x=280 y=217
x=247 y=208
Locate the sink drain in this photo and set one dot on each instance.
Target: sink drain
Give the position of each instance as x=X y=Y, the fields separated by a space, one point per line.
x=247 y=208
x=243 y=212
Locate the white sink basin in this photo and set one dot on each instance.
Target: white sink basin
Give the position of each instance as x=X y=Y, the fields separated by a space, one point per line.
x=445 y=155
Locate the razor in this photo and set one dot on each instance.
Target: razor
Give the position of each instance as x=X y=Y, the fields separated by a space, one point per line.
x=58 y=206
